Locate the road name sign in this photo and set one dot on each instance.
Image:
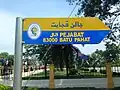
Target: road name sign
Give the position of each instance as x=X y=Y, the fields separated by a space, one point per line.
x=84 y=30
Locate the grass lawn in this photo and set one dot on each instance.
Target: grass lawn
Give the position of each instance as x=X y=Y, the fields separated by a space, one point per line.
x=2 y=87
x=62 y=75
x=39 y=74
x=91 y=73
x=74 y=88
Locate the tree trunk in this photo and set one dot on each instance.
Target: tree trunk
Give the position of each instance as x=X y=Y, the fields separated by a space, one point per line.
x=67 y=68
x=66 y=54
x=61 y=61
x=94 y=68
x=45 y=69
x=65 y=58
x=61 y=66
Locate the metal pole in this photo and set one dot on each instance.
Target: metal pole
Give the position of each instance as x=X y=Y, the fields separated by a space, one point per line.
x=18 y=55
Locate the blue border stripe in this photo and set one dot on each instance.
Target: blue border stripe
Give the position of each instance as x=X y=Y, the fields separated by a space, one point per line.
x=95 y=37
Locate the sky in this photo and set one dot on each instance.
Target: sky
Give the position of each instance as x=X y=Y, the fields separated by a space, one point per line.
x=10 y=9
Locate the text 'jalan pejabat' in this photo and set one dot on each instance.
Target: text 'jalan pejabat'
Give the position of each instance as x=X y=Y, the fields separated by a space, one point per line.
x=75 y=24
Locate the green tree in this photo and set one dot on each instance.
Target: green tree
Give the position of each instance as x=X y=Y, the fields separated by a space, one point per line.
x=97 y=59
x=106 y=10
x=60 y=55
x=4 y=54
x=11 y=59
x=65 y=55
x=38 y=52
x=7 y=56
x=112 y=52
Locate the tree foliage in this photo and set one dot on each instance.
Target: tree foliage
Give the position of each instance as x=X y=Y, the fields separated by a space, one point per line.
x=109 y=12
x=6 y=56
x=36 y=52
x=106 y=10
x=59 y=54
x=112 y=52
x=97 y=58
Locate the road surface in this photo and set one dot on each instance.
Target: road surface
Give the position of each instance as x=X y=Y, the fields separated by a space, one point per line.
x=60 y=83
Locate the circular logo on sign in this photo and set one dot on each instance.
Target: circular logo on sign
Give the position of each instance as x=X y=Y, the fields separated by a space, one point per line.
x=34 y=31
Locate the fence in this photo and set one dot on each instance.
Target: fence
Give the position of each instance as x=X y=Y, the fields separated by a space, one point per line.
x=7 y=73
x=39 y=72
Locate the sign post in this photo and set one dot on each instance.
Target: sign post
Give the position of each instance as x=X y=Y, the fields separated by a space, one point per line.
x=85 y=30
x=18 y=55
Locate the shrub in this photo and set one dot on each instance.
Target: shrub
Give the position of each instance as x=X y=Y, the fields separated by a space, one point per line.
x=85 y=69
x=31 y=69
x=32 y=89
x=25 y=70
x=55 y=70
x=116 y=74
x=2 y=87
x=73 y=72
x=93 y=70
x=103 y=71
x=36 y=68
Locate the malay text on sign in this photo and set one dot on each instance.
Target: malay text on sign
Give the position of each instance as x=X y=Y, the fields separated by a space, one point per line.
x=63 y=30
x=67 y=37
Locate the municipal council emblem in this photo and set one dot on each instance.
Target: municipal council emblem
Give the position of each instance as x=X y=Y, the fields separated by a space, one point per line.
x=34 y=31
